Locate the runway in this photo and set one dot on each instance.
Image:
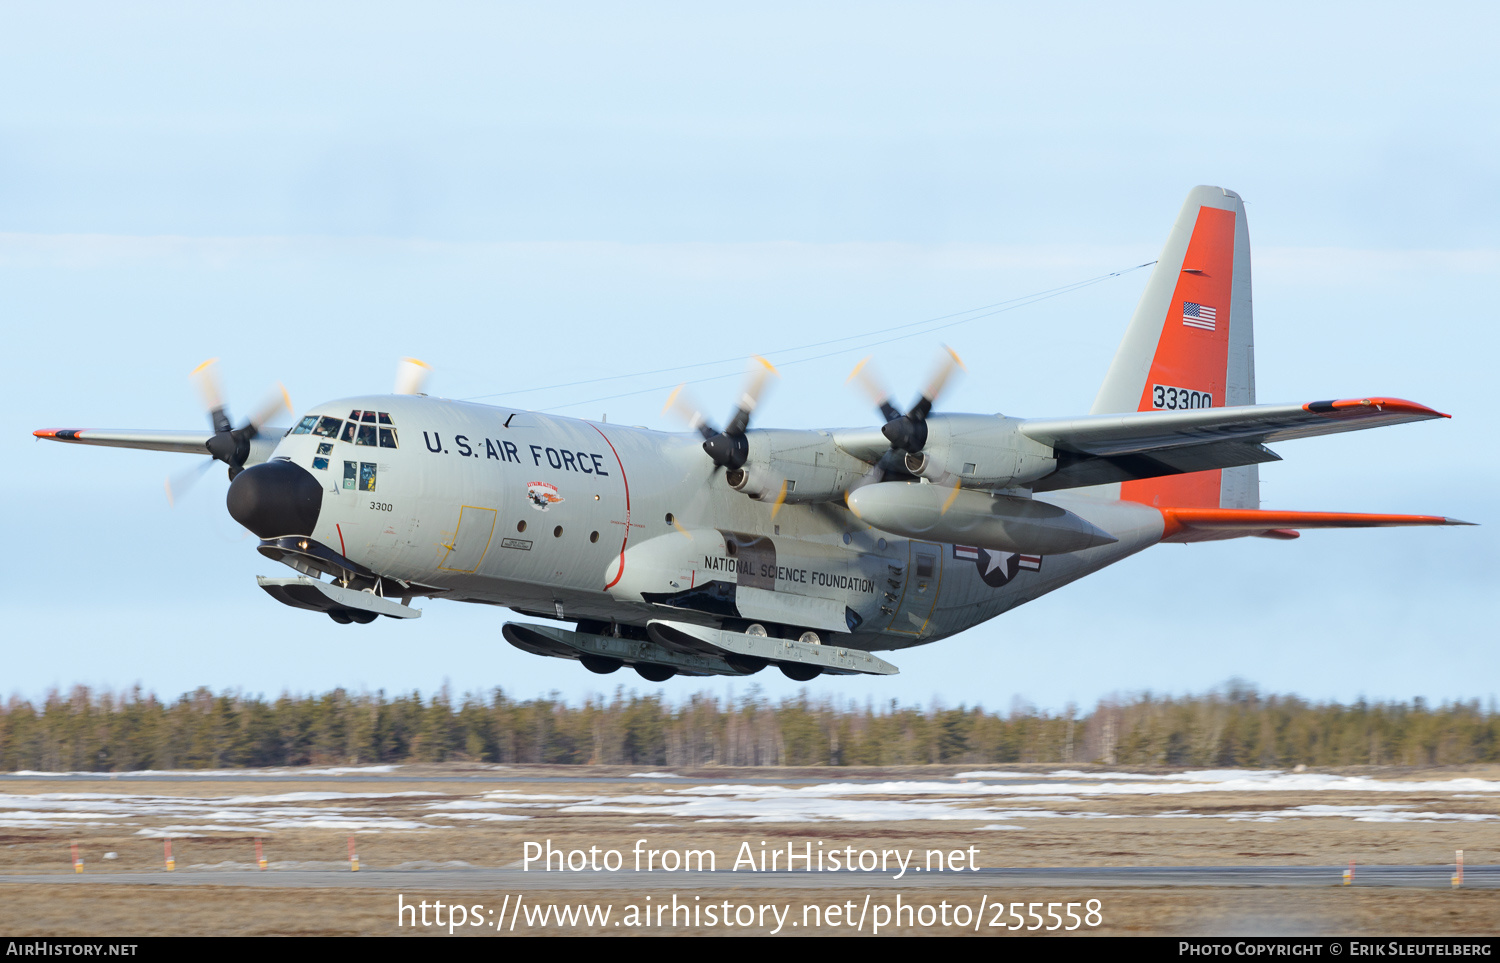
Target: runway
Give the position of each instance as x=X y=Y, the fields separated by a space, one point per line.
x=516 y=880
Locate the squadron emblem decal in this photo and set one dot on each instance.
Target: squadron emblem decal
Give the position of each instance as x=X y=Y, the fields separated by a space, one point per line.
x=997 y=568
x=542 y=495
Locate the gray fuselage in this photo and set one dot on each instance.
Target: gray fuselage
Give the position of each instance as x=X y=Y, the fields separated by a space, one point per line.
x=584 y=520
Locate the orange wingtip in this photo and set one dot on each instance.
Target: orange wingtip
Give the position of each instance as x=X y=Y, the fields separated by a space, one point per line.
x=1259 y=520
x=59 y=434
x=1356 y=406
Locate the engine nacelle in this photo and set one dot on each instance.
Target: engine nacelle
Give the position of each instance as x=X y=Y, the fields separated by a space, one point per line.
x=980 y=451
x=812 y=466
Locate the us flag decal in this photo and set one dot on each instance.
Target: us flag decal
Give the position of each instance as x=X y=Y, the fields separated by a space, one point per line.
x=1196 y=315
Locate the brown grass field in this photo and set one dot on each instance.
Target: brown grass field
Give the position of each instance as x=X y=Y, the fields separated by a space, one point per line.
x=214 y=824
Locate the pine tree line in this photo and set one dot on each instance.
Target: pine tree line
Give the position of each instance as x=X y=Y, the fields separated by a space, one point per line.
x=1236 y=727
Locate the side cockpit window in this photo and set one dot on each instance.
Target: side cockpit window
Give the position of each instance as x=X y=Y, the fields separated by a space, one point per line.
x=328 y=427
x=305 y=425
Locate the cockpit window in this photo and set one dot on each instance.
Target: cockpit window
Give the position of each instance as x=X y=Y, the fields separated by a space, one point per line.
x=368 y=428
x=366 y=476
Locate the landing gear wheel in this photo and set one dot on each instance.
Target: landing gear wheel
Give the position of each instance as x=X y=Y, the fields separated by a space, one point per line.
x=602 y=664
x=757 y=630
x=655 y=673
x=341 y=616
x=800 y=673
x=362 y=617
x=810 y=638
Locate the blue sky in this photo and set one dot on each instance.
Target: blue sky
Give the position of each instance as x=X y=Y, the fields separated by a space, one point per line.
x=529 y=197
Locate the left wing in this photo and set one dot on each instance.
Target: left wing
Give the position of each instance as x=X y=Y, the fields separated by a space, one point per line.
x=149 y=439
x=186 y=442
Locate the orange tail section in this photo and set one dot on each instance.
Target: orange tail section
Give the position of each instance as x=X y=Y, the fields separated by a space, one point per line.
x=1191 y=345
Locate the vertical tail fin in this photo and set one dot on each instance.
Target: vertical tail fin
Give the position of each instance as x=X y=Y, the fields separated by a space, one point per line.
x=1191 y=344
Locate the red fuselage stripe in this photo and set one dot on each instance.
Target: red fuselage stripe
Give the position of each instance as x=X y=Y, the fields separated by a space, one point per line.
x=621 y=573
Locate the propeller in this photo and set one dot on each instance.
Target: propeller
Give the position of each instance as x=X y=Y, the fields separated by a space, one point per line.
x=907 y=432
x=411 y=375
x=229 y=444
x=728 y=448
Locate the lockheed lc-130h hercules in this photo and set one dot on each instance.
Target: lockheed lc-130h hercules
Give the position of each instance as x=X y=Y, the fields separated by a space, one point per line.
x=730 y=550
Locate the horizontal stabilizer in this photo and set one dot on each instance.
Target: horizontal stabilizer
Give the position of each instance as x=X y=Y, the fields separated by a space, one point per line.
x=1205 y=524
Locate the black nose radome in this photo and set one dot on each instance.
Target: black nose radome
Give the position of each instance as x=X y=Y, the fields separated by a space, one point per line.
x=276 y=498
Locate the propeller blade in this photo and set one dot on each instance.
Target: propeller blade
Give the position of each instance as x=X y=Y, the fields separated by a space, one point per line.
x=873 y=477
x=411 y=375
x=952 y=497
x=682 y=404
x=761 y=371
x=780 y=499
x=864 y=375
x=206 y=377
x=268 y=409
x=180 y=483
x=947 y=367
